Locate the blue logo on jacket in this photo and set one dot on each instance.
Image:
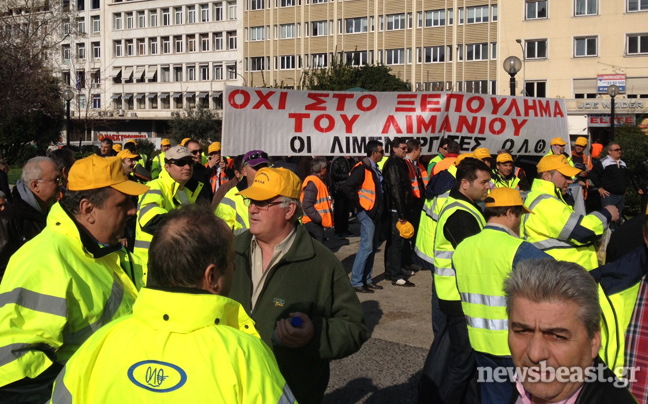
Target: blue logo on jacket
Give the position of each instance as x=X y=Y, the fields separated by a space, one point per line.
x=157 y=376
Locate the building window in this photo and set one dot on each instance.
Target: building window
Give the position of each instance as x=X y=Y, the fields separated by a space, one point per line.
x=141 y=19
x=153 y=21
x=218 y=72
x=256 y=4
x=257 y=64
x=477 y=51
x=257 y=33
x=395 y=56
x=287 y=3
x=319 y=60
x=536 y=49
x=165 y=74
x=586 y=7
x=231 y=72
x=358 y=58
x=96 y=101
x=141 y=47
x=80 y=5
x=395 y=21
x=118 y=48
x=96 y=4
x=231 y=9
x=191 y=44
x=96 y=25
x=218 y=12
x=535 y=88
x=130 y=48
x=460 y=54
x=218 y=41
x=319 y=28
x=178 y=44
x=166 y=17
x=191 y=14
x=435 y=54
x=356 y=25
x=81 y=51
x=494 y=50
x=204 y=72
x=130 y=23
x=178 y=16
x=434 y=18
x=82 y=101
x=287 y=31
x=177 y=73
x=204 y=42
x=204 y=13
x=81 y=26
x=536 y=9
x=287 y=62
x=117 y=22
x=638 y=44
x=231 y=40
x=191 y=73
x=96 y=50
x=584 y=47
x=317 y=1
x=477 y=14
x=66 y=53
x=637 y=5
x=166 y=45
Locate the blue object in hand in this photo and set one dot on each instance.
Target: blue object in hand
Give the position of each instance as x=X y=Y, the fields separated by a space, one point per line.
x=296 y=322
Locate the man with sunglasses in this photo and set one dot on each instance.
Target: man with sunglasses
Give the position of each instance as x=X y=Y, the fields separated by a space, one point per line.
x=33 y=195
x=296 y=290
x=232 y=208
x=173 y=188
x=200 y=172
x=611 y=176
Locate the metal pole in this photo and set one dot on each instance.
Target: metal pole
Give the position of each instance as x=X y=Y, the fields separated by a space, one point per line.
x=612 y=120
x=512 y=85
x=67 y=123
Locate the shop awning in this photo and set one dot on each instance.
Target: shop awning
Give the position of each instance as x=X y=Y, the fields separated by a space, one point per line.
x=164 y=95
x=150 y=72
x=176 y=95
x=202 y=95
x=128 y=73
x=139 y=96
x=216 y=94
x=139 y=72
x=149 y=96
x=115 y=71
x=115 y=96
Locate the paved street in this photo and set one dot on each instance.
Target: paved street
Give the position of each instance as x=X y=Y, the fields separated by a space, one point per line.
x=387 y=368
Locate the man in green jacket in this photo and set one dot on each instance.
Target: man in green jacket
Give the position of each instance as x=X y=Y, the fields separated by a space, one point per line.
x=295 y=289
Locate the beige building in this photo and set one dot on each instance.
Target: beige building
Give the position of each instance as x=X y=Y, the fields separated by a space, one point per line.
x=570 y=48
x=434 y=44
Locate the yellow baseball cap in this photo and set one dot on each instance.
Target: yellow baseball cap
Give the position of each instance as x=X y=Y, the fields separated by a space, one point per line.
x=463 y=156
x=557 y=162
x=214 y=147
x=505 y=197
x=406 y=230
x=133 y=141
x=271 y=182
x=165 y=142
x=482 y=153
x=117 y=147
x=96 y=172
x=557 y=141
x=127 y=154
x=581 y=141
x=504 y=158
x=184 y=141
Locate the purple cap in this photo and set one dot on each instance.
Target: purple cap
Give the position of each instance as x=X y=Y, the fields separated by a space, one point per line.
x=256 y=157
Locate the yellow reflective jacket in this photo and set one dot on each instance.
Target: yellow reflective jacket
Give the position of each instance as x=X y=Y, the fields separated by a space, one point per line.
x=59 y=289
x=162 y=197
x=157 y=165
x=557 y=230
x=176 y=347
x=233 y=211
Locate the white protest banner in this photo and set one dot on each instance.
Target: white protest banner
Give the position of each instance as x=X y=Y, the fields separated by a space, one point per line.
x=322 y=123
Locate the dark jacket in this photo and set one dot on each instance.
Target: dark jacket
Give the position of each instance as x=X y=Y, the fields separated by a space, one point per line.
x=340 y=170
x=398 y=189
x=19 y=223
x=4 y=186
x=440 y=184
x=640 y=176
x=598 y=391
x=610 y=176
x=308 y=203
x=311 y=280
x=202 y=174
x=351 y=186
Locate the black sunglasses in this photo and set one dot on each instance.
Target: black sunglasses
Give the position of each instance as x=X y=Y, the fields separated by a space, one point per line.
x=195 y=152
x=180 y=163
x=256 y=156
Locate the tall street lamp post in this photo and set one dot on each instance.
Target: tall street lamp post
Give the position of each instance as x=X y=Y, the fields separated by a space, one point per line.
x=523 y=46
x=67 y=96
x=512 y=65
x=612 y=91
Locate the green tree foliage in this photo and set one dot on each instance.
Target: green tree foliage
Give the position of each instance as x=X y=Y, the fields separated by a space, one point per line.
x=634 y=144
x=342 y=76
x=199 y=123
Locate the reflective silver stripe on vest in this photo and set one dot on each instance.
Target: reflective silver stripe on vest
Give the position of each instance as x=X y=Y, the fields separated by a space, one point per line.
x=320 y=200
x=365 y=197
x=487 y=324
x=109 y=311
x=601 y=217
x=367 y=191
x=183 y=198
x=443 y=255
x=149 y=192
x=539 y=199
x=324 y=211
x=551 y=243
x=571 y=224
x=142 y=244
x=146 y=208
x=229 y=202
x=479 y=217
x=287 y=397
x=422 y=256
x=35 y=301
x=12 y=352
x=444 y=271
x=486 y=300
x=61 y=393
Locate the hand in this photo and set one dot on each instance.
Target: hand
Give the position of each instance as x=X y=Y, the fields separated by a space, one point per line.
x=401 y=221
x=640 y=192
x=582 y=184
x=603 y=192
x=212 y=161
x=295 y=337
x=124 y=242
x=613 y=211
x=222 y=164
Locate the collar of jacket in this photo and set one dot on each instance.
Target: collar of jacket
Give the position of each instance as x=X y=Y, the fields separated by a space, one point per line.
x=183 y=312
x=242 y=184
x=454 y=193
x=26 y=209
x=301 y=250
x=65 y=223
x=546 y=187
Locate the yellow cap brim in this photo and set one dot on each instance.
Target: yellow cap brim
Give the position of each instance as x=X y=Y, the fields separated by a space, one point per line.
x=130 y=188
x=568 y=170
x=258 y=194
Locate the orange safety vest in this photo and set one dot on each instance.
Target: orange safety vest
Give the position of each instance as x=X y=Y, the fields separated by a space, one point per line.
x=323 y=202
x=414 y=179
x=216 y=179
x=443 y=165
x=367 y=193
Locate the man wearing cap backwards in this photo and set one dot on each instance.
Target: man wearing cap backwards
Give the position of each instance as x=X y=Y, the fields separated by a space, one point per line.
x=68 y=281
x=157 y=165
x=482 y=263
x=507 y=175
x=283 y=275
x=555 y=228
x=219 y=172
x=232 y=208
x=173 y=188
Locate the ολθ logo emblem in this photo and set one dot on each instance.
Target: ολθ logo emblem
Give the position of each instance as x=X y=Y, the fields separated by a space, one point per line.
x=278 y=302
x=157 y=376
